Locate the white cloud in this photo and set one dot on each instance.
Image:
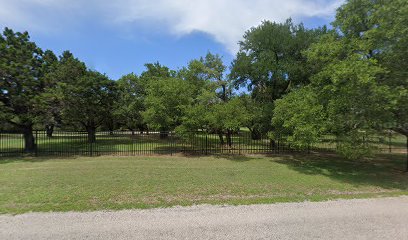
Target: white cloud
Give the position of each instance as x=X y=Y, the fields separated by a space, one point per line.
x=225 y=20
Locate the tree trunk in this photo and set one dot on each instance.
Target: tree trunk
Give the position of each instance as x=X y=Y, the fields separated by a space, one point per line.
x=256 y=134
x=49 y=129
x=404 y=131
x=91 y=130
x=163 y=134
x=29 y=140
x=272 y=144
x=221 y=138
x=407 y=151
x=229 y=137
x=224 y=93
x=111 y=129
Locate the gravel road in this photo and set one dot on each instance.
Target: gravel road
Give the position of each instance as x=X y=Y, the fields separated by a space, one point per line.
x=382 y=218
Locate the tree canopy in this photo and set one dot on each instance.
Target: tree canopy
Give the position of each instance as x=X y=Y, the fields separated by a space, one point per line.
x=357 y=87
x=88 y=101
x=347 y=81
x=22 y=69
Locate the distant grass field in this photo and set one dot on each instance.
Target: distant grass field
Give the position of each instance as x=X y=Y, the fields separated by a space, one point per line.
x=85 y=183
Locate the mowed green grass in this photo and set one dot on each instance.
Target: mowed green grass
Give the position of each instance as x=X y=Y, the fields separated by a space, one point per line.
x=85 y=183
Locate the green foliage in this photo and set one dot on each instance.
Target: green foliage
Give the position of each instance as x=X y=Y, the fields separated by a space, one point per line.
x=130 y=103
x=390 y=38
x=197 y=114
x=347 y=82
x=300 y=116
x=352 y=86
x=21 y=78
x=69 y=69
x=206 y=74
x=212 y=108
x=156 y=71
x=350 y=93
x=49 y=104
x=270 y=63
x=226 y=116
x=66 y=70
x=353 y=145
x=257 y=116
x=195 y=75
x=87 y=100
x=23 y=85
x=165 y=97
x=270 y=59
x=166 y=103
x=381 y=28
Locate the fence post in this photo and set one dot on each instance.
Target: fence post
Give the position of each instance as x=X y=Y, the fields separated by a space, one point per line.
x=389 y=141
x=206 y=143
x=91 y=149
x=171 y=143
x=132 y=144
x=36 y=143
x=239 y=143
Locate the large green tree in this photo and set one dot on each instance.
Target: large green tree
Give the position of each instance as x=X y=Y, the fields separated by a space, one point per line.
x=381 y=29
x=88 y=101
x=166 y=102
x=270 y=59
x=48 y=99
x=357 y=85
x=67 y=70
x=257 y=116
x=22 y=69
x=226 y=117
x=204 y=96
x=211 y=109
x=299 y=117
x=270 y=62
x=345 y=99
x=130 y=103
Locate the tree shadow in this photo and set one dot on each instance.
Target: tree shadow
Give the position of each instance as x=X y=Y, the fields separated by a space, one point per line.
x=236 y=158
x=32 y=159
x=385 y=171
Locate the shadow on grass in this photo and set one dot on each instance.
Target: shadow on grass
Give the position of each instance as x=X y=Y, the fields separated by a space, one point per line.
x=385 y=171
x=32 y=159
x=237 y=158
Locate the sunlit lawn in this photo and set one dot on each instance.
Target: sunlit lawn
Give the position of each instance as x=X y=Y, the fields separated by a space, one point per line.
x=85 y=183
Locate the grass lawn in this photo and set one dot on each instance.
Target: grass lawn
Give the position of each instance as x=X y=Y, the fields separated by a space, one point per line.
x=84 y=183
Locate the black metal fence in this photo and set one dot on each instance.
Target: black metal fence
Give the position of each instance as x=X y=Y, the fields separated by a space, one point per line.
x=126 y=143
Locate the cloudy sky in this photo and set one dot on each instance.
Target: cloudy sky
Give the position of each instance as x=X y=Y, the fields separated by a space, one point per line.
x=118 y=36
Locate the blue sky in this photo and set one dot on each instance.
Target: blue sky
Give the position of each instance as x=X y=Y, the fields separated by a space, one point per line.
x=119 y=37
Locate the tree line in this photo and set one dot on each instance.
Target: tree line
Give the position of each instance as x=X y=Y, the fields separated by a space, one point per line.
x=347 y=80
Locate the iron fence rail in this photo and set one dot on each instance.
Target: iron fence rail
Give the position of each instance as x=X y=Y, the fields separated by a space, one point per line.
x=126 y=143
